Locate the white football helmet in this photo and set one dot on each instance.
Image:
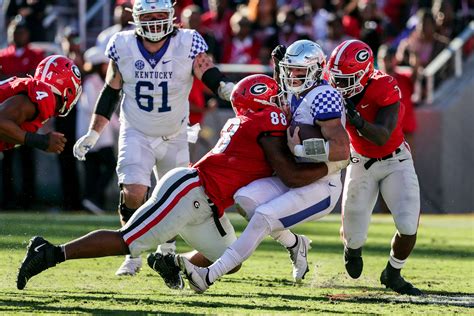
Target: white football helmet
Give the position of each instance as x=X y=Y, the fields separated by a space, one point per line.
x=301 y=55
x=157 y=29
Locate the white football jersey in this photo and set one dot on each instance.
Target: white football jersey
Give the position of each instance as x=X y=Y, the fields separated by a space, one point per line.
x=322 y=103
x=156 y=86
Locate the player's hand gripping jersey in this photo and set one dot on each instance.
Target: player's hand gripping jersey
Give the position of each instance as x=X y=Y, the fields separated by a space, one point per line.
x=382 y=90
x=238 y=159
x=39 y=93
x=156 y=86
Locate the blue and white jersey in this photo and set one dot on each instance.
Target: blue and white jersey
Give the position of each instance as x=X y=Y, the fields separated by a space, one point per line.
x=322 y=103
x=156 y=86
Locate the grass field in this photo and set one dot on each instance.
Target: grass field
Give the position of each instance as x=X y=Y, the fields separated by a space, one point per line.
x=442 y=265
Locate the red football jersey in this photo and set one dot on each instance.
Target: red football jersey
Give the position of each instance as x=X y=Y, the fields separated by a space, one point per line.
x=238 y=159
x=381 y=91
x=38 y=92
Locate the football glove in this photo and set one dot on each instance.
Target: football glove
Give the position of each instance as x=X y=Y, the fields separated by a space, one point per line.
x=225 y=90
x=84 y=144
x=353 y=115
x=277 y=55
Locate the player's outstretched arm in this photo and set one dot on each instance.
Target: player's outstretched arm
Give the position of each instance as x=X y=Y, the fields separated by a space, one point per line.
x=13 y=112
x=205 y=70
x=283 y=163
x=105 y=106
x=337 y=137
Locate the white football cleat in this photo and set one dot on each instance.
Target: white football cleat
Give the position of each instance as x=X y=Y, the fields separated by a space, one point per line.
x=196 y=276
x=130 y=266
x=299 y=257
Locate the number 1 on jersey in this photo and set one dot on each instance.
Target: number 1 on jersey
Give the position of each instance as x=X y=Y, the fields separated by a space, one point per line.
x=148 y=104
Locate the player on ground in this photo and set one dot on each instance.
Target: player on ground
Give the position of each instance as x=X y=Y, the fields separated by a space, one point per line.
x=27 y=103
x=380 y=161
x=153 y=66
x=191 y=201
x=273 y=206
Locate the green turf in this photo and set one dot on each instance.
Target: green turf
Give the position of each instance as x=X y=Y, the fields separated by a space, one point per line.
x=442 y=265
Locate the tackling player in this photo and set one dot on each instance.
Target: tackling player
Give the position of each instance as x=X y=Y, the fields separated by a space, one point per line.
x=380 y=161
x=272 y=206
x=191 y=201
x=153 y=66
x=27 y=103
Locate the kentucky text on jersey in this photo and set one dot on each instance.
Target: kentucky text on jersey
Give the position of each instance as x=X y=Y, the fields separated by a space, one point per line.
x=140 y=74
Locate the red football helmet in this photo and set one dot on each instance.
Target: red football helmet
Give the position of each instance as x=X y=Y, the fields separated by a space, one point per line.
x=351 y=65
x=64 y=78
x=254 y=93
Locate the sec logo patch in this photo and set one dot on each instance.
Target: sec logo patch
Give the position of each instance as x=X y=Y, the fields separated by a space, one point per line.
x=139 y=64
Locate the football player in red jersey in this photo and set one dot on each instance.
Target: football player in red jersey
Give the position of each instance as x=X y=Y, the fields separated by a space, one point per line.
x=191 y=201
x=380 y=161
x=27 y=103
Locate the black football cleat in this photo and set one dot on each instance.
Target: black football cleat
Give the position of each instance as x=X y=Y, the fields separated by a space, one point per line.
x=39 y=257
x=167 y=268
x=397 y=283
x=353 y=262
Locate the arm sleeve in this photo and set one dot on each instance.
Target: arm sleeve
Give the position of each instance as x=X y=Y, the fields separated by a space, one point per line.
x=111 y=50
x=198 y=45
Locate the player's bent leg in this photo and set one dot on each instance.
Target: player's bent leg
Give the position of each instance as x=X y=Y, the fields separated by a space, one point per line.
x=359 y=198
x=400 y=189
x=42 y=255
x=402 y=245
x=132 y=197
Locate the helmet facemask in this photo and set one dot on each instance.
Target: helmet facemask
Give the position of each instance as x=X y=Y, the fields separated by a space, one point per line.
x=348 y=84
x=299 y=83
x=153 y=30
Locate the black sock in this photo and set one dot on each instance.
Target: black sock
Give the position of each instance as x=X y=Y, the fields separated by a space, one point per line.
x=391 y=271
x=296 y=242
x=59 y=254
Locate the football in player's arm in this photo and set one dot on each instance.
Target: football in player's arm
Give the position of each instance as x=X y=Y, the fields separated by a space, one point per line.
x=191 y=201
x=271 y=204
x=27 y=103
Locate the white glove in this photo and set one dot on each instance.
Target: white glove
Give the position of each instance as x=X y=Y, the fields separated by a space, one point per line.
x=84 y=144
x=225 y=90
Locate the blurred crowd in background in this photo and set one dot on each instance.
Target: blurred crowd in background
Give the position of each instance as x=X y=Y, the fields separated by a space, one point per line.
x=405 y=35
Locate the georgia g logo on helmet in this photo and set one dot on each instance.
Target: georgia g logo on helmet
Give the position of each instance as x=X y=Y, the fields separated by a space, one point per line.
x=362 y=55
x=76 y=71
x=258 y=89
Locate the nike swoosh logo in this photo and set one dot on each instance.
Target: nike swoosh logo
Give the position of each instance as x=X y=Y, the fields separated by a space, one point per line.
x=38 y=247
x=363 y=106
x=331 y=185
x=401 y=160
x=166 y=61
x=303 y=252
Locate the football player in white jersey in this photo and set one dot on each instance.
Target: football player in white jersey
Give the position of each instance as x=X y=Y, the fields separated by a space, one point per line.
x=272 y=207
x=153 y=66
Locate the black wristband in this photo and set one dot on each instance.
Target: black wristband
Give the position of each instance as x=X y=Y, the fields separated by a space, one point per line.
x=37 y=140
x=212 y=78
x=107 y=101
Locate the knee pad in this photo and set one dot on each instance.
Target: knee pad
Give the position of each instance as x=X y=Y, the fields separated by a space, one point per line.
x=124 y=211
x=245 y=206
